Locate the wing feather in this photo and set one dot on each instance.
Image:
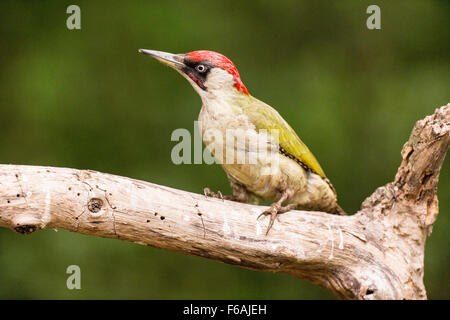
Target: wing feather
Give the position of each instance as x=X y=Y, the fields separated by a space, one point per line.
x=264 y=116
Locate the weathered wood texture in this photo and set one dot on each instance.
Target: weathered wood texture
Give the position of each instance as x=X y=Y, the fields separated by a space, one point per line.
x=377 y=253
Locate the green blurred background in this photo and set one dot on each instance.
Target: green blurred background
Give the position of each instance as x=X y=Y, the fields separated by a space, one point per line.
x=86 y=99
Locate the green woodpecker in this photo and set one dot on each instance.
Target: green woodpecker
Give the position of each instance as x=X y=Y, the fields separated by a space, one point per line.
x=298 y=182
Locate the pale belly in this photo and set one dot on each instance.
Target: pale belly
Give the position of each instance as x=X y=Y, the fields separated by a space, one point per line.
x=267 y=181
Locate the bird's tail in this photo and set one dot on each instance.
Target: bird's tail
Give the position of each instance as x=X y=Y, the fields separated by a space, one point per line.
x=338 y=210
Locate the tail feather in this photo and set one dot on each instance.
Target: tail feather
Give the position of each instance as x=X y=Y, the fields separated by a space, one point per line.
x=338 y=210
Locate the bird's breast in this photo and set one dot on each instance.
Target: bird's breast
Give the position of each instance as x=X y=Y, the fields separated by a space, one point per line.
x=217 y=120
x=245 y=154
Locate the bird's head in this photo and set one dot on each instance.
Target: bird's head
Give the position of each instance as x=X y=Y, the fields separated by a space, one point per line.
x=209 y=72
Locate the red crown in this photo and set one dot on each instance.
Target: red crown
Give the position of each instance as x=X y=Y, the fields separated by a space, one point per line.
x=219 y=61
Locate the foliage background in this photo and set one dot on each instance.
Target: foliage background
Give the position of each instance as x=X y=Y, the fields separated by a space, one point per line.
x=86 y=99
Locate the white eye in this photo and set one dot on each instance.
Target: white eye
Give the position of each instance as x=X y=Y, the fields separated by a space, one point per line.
x=200 y=68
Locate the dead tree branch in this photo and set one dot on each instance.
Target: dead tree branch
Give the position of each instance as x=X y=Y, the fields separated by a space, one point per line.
x=377 y=253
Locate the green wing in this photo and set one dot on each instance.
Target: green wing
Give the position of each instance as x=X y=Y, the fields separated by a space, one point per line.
x=264 y=116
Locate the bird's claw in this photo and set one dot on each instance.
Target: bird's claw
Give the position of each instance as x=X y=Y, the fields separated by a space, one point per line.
x=273 y=215
x=208 y=193
x=274 y=210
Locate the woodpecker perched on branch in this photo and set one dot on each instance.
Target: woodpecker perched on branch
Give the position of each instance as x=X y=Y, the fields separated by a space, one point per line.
x=298 y=180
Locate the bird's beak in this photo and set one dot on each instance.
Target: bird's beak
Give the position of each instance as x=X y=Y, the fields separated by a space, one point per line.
x=172 y=60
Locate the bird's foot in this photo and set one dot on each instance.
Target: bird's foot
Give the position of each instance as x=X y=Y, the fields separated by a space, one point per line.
x=208 y=193
x=275 y=209
x=239 y=196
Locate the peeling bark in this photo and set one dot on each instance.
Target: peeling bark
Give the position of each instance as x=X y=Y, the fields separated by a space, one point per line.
x=377 y=253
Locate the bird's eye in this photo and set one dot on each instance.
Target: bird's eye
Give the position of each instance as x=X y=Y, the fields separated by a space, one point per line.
x=200 y=68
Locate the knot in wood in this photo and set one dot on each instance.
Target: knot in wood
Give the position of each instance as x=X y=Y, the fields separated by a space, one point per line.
x=95 y=205
x=25 y=229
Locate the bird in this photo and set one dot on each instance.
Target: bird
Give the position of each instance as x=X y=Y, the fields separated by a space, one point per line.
x=296 y=182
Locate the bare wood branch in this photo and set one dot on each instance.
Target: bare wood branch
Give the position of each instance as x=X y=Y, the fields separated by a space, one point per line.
x=375 y=254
